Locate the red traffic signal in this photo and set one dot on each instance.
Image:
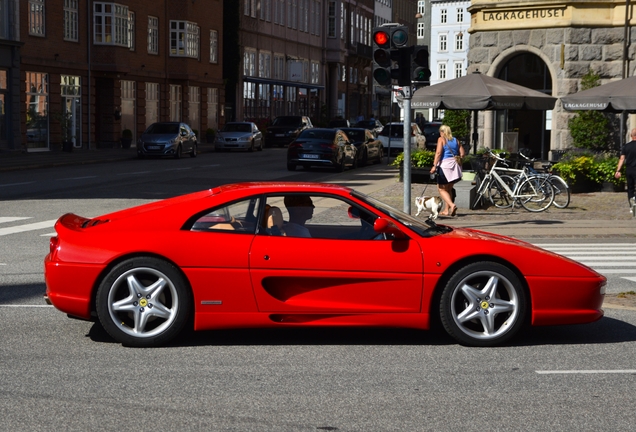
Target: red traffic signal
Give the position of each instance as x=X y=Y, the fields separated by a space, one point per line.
x=381 y=38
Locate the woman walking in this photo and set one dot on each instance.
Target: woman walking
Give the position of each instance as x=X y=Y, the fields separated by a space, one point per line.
x=447 y=167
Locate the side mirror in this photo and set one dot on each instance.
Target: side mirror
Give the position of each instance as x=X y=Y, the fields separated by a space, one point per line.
x=384 y=226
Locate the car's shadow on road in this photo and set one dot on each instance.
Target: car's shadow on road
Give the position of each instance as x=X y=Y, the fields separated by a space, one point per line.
x=605 y=331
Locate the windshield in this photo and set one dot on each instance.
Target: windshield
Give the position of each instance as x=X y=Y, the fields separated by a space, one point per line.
x=394 y=130
x=322 y=134
x=419 y=226
x=237 y=127
x=286 y=121
x=163 y=128
x=355 y=135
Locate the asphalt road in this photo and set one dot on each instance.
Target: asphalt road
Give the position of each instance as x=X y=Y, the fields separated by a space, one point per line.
x=62 y=374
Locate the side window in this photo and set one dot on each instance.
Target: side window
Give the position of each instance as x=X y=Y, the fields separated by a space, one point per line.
x=316 y=216
x=239 y=217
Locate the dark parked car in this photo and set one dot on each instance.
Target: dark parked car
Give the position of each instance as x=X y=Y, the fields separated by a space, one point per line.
x=167 y=139
x=339 y=123
x=431 y=132
x=321 y=147
x=369 y=148
x=373 y=125
x=285 y=129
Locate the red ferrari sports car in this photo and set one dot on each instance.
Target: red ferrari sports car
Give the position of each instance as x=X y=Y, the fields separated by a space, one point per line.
x=304 y=254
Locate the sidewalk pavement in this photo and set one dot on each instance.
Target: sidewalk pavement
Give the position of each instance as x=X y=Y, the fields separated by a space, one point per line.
x=591 y=215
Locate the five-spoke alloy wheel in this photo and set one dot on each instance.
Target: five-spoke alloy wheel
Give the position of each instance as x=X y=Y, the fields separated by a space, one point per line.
x=143 y=302
x=483 y=304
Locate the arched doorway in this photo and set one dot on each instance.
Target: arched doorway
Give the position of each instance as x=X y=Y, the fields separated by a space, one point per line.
x=532 y=127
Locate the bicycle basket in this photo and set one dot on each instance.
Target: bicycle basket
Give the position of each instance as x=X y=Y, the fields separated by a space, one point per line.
x=480 y=165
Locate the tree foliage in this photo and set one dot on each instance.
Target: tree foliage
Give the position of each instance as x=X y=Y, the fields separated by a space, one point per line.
x=590 y=129
x=458 y=121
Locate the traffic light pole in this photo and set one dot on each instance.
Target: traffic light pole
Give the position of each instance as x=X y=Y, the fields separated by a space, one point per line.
x=406 y=165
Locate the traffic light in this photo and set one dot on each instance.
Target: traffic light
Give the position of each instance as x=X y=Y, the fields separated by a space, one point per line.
x=382 y=55
x=420 y=72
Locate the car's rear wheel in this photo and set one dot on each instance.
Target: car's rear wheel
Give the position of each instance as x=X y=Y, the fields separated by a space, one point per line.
x=143 y=302
x=483 y=304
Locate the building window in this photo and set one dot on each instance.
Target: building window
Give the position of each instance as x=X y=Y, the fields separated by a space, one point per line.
x=36 y=18
x=249 y=8
x=4 y=22
x=460 y=15
x=249 y=63
x=70 y=20
x=214 y=46
x=315 y=73
x=184 y=39
x=279 y=67
x=421 y=7
x=213 y=108
x=342 y=22
x=266 y=9
x=442 y=43
x=110 y=24
x=194 y=108
x=459 y=42
x=152 y=103
x=442 y=16
x=331 y=20
x=131 y=31
x=71 y=109
x=128 y=96
x=264 y=64
x=175 y=103
x=316 y=17
x=37 y=106
x=459 y=70
x=441 y=71
x=279 y=12
x=153 y=35
x=421 y=29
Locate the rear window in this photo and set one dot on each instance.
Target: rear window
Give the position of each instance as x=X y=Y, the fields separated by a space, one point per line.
x=287 y=121
x=317 y=134
x=163 y=128
x=393 y=131
x=355 y=135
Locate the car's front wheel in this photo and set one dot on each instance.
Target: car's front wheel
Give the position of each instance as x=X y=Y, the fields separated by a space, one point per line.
x=193 y=152
x=483 y=304
x=143 y=302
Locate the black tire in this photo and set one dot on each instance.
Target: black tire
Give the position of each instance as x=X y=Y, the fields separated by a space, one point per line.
x=340 y=166
x=483 y=304
x=365 y=158
x=144 y=302
x=193 y=152
x=177 y=153
x=260 y=147
x=380 y=156
x=251 y=147
x=355 y=165
x=291 y=166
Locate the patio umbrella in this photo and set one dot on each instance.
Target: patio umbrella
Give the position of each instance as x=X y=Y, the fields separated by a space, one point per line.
x=480 y=92
x=615 y=97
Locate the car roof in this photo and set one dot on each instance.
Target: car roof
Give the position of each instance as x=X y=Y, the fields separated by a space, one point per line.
x=282 y=187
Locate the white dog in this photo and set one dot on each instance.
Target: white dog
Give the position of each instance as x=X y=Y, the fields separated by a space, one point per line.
x=434 y=204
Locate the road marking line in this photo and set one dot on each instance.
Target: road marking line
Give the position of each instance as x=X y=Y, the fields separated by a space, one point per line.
x=617 y=271
x=28 y=227
x=26 y=306
x=618 y=371
x=630 y=258
x=76 y=178
x=606 y=264
x=583 y=244
x=633 y=279
x=53 y=234
x=16 y=184
x=12 y=219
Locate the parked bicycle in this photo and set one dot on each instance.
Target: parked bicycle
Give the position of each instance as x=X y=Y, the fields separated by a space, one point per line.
x=561 y=187
x=532 y=192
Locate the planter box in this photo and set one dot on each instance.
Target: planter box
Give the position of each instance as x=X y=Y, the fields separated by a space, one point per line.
x=583 y=184
x=419 y=175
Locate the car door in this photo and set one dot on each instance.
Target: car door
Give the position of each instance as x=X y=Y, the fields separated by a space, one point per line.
x=335 y=271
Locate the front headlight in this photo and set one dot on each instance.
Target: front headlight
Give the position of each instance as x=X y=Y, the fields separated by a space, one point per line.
x=245 y=138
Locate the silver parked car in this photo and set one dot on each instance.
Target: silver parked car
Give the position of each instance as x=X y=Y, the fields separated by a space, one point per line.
x=239 y=136
x=167 y=139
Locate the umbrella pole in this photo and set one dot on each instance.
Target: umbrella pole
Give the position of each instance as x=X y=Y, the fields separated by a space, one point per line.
x=475 y=135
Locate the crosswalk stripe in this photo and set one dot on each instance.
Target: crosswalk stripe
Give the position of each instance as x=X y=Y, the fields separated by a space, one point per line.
x=28 y=227
x=6 y=219
x=605 y=258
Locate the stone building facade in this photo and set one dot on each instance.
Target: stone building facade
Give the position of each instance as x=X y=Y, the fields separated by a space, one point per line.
x=547 y=46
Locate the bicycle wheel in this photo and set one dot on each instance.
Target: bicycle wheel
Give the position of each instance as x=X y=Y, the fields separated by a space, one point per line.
x=561 y=191
x=482 y=187
x=498 y=194
x=536 y=194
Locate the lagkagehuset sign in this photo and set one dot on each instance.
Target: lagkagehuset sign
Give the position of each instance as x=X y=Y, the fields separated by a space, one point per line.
x=516 y=15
